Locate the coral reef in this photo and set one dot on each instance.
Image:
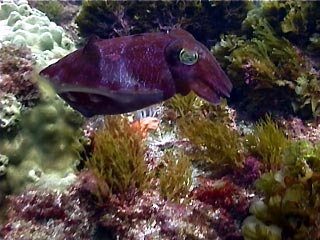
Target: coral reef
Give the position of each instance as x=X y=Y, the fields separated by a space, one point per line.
x=39 y=134
x=38 y=215
x=47 y=143
x=297 y=129
x=204 y=172
x=228 y=199
x=25 y=26
x=157 y=218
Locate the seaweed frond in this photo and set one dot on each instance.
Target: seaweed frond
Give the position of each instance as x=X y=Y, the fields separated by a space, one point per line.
x=267 y=142
x=118 y=156
x=214 y=141
x=53 y=9
x=184 y=105
x=175 y=178
x=291 y=195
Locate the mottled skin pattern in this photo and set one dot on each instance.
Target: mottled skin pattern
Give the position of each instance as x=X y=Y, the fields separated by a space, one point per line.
x=129 y=73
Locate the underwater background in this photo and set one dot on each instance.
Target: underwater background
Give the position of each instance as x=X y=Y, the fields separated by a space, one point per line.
x=247 y=168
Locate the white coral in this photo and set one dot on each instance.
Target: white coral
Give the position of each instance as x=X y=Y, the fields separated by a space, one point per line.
x=25 y=26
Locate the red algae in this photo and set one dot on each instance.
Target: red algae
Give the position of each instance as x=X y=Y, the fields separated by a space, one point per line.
x=229 y=201
x=38 y=214
x=16 y=66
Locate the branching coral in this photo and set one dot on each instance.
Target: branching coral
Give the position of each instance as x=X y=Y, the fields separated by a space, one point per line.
x=118 y=157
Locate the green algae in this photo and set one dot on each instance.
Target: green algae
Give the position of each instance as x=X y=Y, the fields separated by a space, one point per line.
x=53 y=9
x=175 y=178
x=214 y=142
x=267 y=142
x=291 y=194
x=118 y=157
x=263 y=66
x=108 y=19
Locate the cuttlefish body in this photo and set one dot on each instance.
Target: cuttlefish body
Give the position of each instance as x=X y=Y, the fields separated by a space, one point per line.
x=129 y=73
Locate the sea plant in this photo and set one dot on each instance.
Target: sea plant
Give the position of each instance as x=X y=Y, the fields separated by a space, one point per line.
x=53 y=9
x=296 y=20
x=213 y=141
x=291 y=194
x=108 y=19
x=16 y=67
x=175 y=177
x=193 y=106
x=264 y=65
x=267 y=141
x=117 y=158
x=308 y=88
x=184 y=105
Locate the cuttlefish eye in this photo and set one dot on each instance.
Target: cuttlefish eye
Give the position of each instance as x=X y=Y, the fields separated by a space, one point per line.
x=188 y=57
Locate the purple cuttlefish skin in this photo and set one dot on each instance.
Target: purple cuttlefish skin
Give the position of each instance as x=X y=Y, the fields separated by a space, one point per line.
x=129 y=73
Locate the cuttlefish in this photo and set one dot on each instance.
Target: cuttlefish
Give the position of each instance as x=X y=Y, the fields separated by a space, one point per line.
x=128 y=73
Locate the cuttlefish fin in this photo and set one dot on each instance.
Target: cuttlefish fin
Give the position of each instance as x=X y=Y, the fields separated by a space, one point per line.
x=180 y=33
x=91 y=47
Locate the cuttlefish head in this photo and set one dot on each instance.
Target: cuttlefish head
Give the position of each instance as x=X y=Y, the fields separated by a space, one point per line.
x=194 y=68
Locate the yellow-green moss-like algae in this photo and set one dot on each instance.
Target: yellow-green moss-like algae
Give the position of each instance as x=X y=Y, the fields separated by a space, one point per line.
x=175 y=178
x=118 y=156
x=267 y=142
